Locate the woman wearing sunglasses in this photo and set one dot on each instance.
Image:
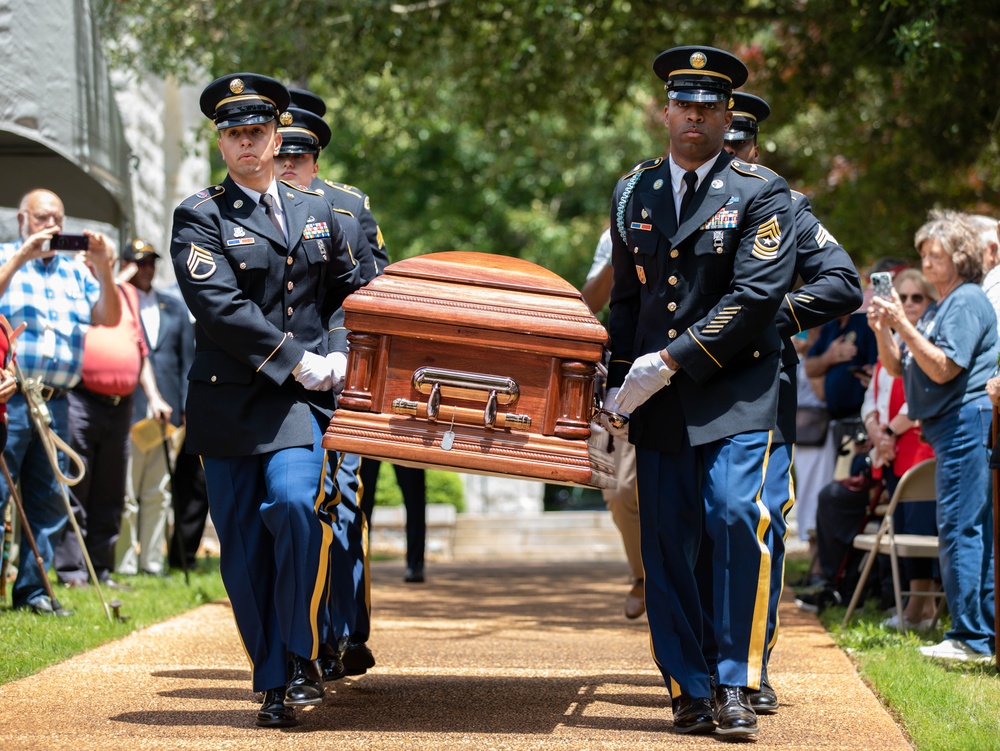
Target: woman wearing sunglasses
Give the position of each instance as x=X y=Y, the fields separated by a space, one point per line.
x=945 y=361
x=897 y=445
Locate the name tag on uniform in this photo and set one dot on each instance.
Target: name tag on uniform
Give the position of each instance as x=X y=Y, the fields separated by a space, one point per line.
x=316 y=229
x=241 y=241
x=642 y=226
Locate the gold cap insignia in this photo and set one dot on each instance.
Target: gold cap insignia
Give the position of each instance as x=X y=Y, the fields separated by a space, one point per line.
x=236 y=86
x=698 y=60
x=286 y=118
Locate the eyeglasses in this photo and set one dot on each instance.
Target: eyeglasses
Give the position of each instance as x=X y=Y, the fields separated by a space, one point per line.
x=916 y=297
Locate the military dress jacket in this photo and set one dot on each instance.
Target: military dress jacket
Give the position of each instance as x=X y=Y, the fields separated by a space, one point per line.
x=352 y=200
x=828 y=286
x=259 y=302
x=707 y=292
x=354 y=233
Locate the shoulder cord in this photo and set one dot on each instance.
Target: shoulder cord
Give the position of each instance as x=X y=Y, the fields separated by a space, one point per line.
x=623 y=202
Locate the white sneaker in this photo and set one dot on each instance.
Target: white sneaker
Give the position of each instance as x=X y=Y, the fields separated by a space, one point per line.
x=953 y=649
x=908 y=625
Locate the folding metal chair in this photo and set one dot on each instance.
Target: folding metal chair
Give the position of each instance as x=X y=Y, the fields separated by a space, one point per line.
x=915 y=486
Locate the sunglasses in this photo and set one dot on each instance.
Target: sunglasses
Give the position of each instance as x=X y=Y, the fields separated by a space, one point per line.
x=916 y=297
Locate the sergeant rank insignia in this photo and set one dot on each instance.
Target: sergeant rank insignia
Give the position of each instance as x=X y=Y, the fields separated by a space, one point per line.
x=200 y=264
x=768 y=240
x=314 y=230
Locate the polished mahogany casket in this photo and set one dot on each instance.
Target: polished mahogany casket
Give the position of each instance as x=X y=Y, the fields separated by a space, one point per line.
x=475 y=362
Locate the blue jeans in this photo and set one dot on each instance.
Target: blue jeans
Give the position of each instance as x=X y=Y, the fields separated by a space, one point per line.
x=41 y=493
x=965 y=520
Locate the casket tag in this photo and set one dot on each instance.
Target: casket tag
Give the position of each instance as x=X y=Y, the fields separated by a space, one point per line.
x=448 y=439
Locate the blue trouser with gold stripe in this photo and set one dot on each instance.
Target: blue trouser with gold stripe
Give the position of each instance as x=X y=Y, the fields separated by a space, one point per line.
x=703 y=526
x=349 y=585
x=779 y=497
x=274 y=539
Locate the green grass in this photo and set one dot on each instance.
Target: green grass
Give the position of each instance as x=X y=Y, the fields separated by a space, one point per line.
x=32 y=642
x=943 y=706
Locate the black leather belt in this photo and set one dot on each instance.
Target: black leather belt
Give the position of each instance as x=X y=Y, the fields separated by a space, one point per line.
x=110 y=399
x=49 y=393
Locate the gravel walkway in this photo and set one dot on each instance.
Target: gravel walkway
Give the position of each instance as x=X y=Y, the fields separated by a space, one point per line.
x=483 y=657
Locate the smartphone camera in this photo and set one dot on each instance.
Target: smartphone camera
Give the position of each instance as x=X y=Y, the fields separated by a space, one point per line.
x=882 y=284
x=74 y=243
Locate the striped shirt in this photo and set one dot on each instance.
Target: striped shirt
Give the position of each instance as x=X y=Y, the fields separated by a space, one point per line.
x=55 y=300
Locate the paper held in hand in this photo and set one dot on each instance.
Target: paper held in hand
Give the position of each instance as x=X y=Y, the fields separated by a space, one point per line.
x=148 y=434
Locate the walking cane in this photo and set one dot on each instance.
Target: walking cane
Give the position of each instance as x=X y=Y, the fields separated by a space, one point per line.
x=994 y=429
x=52 y=443
x=173 y=497
x=26 y=531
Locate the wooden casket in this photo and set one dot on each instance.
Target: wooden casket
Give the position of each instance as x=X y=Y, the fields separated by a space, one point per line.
x=474 y=362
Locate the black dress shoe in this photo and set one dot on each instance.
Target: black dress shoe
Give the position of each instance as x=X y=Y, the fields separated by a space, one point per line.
x=764 y=701
x=273 y=712
x=305 y=684
x=733 y=712
x=693 y=716
x=414 y=576
x=357 y=658
x=331 y=664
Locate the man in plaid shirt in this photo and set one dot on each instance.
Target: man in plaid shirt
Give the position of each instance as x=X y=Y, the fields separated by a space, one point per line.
x=58 y=297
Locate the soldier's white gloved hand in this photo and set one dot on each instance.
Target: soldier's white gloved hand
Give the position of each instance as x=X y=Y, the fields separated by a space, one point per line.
x=647 y=375
x=313 y=372
x=338 y=369
x=610 y=406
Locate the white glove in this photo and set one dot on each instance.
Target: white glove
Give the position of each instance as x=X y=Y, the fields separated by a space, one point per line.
x=338 y=369
x=609 y=404
x=313 y=372
x=647 y=375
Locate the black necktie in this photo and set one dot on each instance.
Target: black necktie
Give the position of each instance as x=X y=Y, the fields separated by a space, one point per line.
x=268 y=200
x=690 y=179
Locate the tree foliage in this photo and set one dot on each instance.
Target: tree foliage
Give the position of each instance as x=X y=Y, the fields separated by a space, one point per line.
x=502 y=126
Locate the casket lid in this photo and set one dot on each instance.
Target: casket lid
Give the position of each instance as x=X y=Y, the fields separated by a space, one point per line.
x=484 y=270
x=475 y=291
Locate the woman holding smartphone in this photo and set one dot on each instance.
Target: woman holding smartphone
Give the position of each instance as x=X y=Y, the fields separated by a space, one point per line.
x=945 y=361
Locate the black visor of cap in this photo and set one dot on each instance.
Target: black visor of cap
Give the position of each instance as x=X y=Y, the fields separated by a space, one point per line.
x=245 y=113
x=298 y=141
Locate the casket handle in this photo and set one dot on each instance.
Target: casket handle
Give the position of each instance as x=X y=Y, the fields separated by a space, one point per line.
x=488 y=417
x=460 y=384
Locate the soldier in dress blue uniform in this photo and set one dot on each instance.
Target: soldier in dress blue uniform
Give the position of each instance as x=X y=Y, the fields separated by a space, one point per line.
x=703 y=252
x=342 y=196
x=264 y=268
x=346 y=629
x=829 y=287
